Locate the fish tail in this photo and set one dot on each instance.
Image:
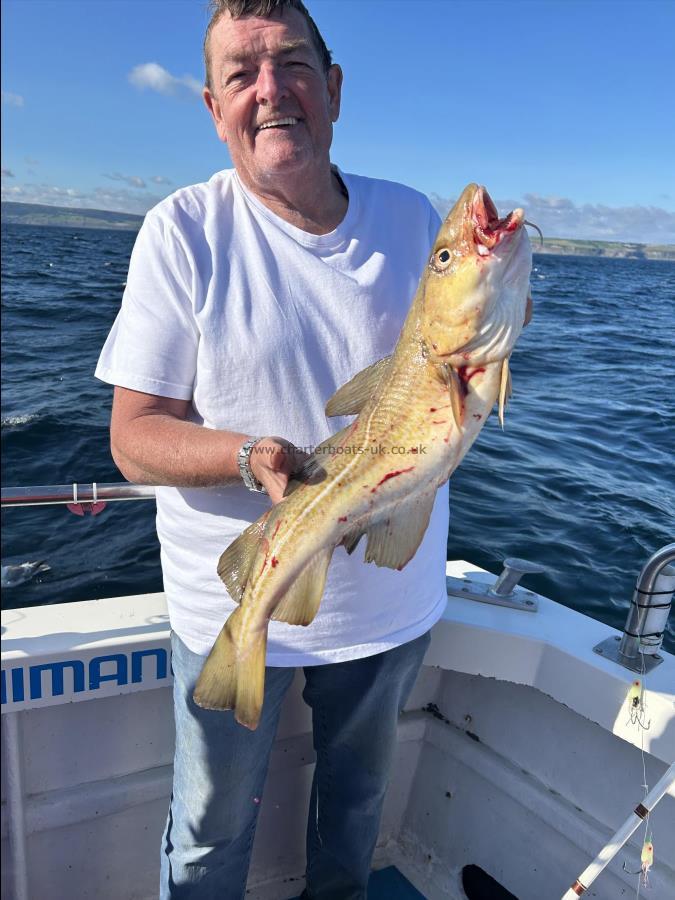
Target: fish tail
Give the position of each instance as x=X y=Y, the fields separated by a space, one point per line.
x=233 y=676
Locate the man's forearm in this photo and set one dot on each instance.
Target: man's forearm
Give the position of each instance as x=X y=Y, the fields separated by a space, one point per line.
x=162 y=449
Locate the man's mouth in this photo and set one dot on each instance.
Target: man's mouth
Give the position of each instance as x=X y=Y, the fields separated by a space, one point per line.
x=278 y=123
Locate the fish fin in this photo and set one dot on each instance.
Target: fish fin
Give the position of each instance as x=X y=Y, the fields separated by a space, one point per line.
x=352 y=396
x=235 y=562
x=457 y=393
x=504 y=390
x=394 y=541
x=312 y=470
x=233 y=677
x=351 y=539
x=301 y=601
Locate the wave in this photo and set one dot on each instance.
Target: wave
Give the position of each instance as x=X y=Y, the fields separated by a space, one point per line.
x=19 y=420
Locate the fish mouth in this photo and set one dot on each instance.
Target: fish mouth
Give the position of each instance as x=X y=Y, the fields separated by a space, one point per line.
x=488 y=229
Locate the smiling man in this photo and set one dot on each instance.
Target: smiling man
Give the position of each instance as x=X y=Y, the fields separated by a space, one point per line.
x=250 y=299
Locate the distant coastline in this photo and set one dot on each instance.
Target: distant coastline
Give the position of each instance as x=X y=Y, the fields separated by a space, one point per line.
x=610 y=249
x=38 y=214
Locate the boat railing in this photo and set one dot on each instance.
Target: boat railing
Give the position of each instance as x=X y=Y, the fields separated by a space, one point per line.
x=69 y=494
x=637 y=648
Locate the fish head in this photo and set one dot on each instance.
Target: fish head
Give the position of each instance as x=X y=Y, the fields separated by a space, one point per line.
x=475 y=288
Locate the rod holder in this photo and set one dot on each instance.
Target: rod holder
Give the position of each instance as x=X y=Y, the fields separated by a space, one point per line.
x=652 y=599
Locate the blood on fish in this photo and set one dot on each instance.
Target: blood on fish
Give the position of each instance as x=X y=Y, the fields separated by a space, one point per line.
x=342 y=519
x=439 y=421
x=276 y=527
x=413 y=449
x=466 y=375
x=477 y=416
x=391 y=475
x=275 y=562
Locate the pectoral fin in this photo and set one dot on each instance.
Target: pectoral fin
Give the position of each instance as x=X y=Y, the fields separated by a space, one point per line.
x=394 y=541
x=504 y=389
x=352 y=397
x=301 y=602
x=457 y=393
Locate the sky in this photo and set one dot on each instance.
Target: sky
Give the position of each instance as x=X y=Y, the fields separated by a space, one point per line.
x=565 y=108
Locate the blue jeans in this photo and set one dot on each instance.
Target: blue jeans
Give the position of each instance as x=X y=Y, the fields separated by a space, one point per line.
x=220 y=769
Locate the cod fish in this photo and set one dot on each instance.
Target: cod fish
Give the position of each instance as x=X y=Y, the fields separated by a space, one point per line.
x=447 y=371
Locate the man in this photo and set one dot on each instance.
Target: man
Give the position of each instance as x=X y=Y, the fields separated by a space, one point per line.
x=250 y=299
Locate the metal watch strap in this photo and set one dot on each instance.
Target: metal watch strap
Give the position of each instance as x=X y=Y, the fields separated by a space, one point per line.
x=244 y=461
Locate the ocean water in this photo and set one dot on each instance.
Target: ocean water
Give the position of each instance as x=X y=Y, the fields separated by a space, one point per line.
x=582 y=479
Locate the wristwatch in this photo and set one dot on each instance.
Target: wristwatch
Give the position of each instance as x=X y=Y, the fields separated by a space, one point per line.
x=244 y=460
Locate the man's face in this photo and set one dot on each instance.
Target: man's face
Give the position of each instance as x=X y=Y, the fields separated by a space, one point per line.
x=270 y=99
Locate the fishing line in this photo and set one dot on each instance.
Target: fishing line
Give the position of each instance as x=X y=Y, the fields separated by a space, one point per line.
x=537 y=229
x=638 y=709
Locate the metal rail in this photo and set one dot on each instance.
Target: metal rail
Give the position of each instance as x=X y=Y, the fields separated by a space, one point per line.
x=55 y=494
x=647 y=597
x=648 y=613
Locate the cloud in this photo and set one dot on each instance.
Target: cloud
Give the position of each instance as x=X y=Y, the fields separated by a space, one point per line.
x=160 y=179
x=132 y=180
x=561 y=217
x=115 y=199
x=7 y=173
x=156 y=78
x=10 y=99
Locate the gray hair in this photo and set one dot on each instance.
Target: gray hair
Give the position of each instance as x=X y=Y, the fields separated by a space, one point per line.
x=265 y=9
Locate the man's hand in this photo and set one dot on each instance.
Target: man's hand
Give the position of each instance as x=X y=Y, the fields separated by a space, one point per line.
x=273 y=460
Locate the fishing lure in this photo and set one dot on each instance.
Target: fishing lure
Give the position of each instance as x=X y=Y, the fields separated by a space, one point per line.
x=636 y=705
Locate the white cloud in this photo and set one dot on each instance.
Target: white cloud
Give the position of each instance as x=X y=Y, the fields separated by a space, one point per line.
x=160 y=179
x=10 y=99
x=561 y=217
x=133 y=180
x=115 y=199
x=7 y=173
x=156 y=78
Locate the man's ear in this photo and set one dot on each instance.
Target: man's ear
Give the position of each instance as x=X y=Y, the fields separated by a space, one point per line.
x=334 y=91
x=213 y=106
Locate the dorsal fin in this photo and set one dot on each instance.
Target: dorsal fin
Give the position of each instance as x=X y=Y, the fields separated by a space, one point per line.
x=351 y=397
x=235 y=562
x=301 y=601
x=393 y=541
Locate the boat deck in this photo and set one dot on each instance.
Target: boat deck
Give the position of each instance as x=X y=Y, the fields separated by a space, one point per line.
x=390 y=884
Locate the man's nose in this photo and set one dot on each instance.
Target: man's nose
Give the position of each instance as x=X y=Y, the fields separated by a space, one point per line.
x=271 y=85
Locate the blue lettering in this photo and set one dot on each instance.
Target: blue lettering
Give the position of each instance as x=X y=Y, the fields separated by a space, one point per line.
x=17 y=685
x=57 y=669
x=137 y=663
x=119 y=675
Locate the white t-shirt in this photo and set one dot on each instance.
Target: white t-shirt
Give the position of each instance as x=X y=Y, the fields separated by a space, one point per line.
x=258 y=323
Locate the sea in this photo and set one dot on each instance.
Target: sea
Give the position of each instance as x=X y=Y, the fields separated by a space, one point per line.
x=581 y=480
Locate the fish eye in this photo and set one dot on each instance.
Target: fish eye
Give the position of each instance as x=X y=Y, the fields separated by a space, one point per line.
x=441 y=259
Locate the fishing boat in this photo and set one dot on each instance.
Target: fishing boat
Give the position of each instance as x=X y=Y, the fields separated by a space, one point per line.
x=534 y=757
